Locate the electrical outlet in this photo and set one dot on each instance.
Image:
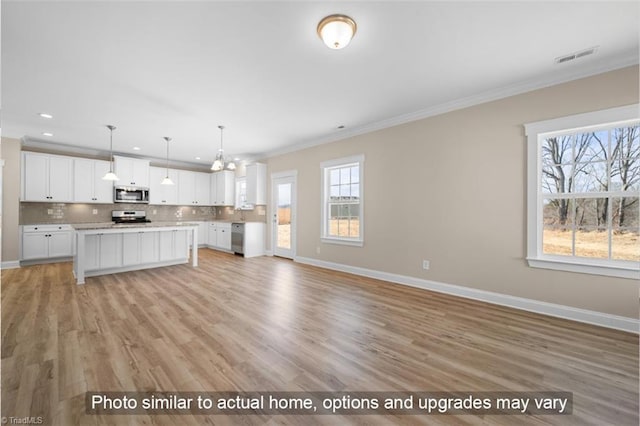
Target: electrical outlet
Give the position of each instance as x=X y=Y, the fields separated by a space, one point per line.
x=155 y=211
x=261 y=212
x=95 y=211
x=318 y=249
x=49 y=211
x=425 y=264
x=193 y=212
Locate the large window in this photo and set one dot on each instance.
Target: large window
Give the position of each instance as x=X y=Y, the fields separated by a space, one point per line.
x=584 y=193
x=342 y=207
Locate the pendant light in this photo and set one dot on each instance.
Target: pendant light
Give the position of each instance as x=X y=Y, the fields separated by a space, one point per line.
x=167 y=180
x=110 y=175
x=336 y=31
x=219 y=163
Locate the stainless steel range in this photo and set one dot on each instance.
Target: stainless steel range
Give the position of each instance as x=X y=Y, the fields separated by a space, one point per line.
x=129 y=216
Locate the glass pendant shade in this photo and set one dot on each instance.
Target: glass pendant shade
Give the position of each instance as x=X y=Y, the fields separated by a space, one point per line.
x=231 y=165
x=166 y=181
x=218 y=164
x=336 y=31
x=110 y=174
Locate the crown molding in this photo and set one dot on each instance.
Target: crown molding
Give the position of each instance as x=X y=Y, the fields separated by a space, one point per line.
x=469 y=101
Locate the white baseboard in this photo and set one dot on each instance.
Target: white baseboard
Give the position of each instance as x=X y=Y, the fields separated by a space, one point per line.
x=631 y=325
x=11 y=264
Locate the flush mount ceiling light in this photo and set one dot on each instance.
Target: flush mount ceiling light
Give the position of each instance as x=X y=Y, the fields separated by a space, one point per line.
x=45 y=115
x=167 y=180
x=110 y=175
x=219 y=163
x=336 y=31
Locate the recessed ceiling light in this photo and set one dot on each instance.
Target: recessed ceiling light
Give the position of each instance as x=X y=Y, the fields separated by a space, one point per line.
x=236 y=159
x=47 y=134
x=45 y=115
x=197 y=158
x=341 y=126
x=136 y=148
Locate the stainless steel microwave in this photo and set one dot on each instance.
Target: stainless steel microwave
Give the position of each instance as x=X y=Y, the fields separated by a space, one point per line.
x=129 y=194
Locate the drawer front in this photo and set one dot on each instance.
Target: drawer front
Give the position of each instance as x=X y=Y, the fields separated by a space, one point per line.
x=46 y=228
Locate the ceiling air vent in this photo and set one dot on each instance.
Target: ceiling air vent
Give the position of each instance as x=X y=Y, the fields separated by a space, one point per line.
x=576 y=55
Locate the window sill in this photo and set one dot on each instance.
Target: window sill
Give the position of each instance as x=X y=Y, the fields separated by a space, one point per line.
x=342 y=241
x=629 y=270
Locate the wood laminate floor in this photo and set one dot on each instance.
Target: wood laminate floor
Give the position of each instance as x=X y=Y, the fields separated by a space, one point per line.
x=267 y=324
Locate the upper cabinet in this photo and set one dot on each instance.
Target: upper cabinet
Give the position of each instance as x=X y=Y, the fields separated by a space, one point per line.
x=222 y=188
x=46 y=177
x=162 y=194
x=257 y=184
x=132 y=171
x=193 y=188
x=88 y=185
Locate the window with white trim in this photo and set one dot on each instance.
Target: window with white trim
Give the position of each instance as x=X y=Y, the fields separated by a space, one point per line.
x=342 y=206
x=584 y=193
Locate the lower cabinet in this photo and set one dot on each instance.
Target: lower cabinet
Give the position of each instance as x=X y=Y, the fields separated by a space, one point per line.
x=174 y=245
x=107 y=251
x=219 y=235
x=103 y=251
x=140 y=248
x=46 y=241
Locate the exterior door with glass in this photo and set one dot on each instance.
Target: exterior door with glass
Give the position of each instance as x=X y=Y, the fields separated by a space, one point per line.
x=283 y=231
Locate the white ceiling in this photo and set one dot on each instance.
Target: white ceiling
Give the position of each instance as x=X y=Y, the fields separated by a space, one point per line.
x=180 y=69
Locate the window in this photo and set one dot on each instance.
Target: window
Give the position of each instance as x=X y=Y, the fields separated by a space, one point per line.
x=342 y=201
x=241 y=194
x=584 y=193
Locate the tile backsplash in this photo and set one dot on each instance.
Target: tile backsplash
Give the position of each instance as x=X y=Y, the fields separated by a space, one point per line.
x=36 y=213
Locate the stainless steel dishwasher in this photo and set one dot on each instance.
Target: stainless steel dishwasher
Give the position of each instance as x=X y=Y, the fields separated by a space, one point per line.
x=237 y=238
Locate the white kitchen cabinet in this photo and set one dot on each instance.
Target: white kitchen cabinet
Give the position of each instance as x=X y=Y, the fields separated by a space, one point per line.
x=193 y=188
x=254 y=239
x=130 y=249
x=110 y=247
x=149 y=252
x=140 y=248
x=131 y=171
x=222 y=188
x=256 y=184
x=174 y=245
x=219 y=235
x=212 y=234
x=202 y=189
x=162 y=194
x=47 y=178
x=88 y=185
x=46 y=241
x=103 y=251
x=224 y=236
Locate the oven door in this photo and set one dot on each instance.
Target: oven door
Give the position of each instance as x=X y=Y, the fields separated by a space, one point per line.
x=130 y=195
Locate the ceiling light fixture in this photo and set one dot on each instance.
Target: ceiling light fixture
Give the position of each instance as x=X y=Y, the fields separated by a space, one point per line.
x=167 y=180
x=45 y=115
x=219 y=163
x=336 y=31
x=47 y=134
x=136 y=148
x=110 y=175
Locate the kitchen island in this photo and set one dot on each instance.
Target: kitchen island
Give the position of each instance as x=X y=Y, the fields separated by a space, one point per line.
x=107 y=248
